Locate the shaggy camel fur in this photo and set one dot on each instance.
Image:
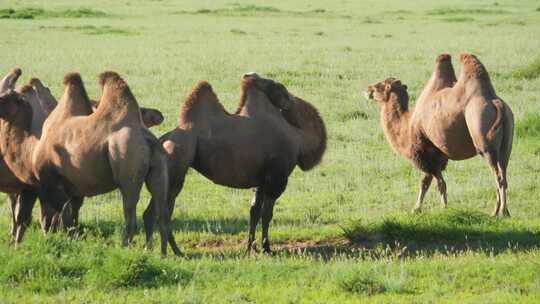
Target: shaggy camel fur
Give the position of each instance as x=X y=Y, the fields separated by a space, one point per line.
x=258 y=147
x=88 y=153
x=18 y=136
x=451 y=120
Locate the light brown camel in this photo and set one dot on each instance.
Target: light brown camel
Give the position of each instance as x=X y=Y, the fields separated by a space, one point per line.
x=18 y=135
x=258 y=147
x=43 y=103
x=451 y=120
x=87 y=153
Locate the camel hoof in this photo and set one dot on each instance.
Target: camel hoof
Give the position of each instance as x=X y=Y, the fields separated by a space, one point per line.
x=416 y=211
x=149 y=246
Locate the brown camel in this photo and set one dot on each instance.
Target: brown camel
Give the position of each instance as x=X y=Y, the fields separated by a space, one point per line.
x=88 y=153
x=43 y=103
x=451 y=120
x=258 y=147
x=18 y=135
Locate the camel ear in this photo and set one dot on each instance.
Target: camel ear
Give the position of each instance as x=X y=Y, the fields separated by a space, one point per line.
x=405 y=87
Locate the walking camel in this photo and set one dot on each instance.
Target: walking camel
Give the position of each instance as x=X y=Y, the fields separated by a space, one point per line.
x=258 y=146
x=452 y=120
x=87 y=153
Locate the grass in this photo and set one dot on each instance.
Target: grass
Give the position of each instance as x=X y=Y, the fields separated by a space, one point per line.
x=530 y=71
x=466 y=11
x=342 y=233
x=529 y=127
x=95 y=30
x=32 y=13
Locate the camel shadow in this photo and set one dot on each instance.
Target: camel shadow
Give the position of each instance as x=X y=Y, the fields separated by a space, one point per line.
x=232 y=226
x=448 y=232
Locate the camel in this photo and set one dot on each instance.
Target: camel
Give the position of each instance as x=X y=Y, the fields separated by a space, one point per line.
x=453 y=120
x=41 y=102
x=87 y=153
x=19 y=130
x=258 y=146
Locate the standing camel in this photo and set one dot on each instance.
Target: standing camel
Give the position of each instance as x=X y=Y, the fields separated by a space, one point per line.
x=21 y=117
x=258 y=147
x=451 y=120
x=88 y=153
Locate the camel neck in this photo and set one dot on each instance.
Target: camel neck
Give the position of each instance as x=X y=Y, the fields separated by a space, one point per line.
x=255 y=102
x=17 y=144
x=396 y=124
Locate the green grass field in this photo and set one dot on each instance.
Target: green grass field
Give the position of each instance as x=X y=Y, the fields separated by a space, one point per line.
x=342 y=232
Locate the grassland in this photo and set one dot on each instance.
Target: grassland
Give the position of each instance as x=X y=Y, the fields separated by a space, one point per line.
x=343 y=232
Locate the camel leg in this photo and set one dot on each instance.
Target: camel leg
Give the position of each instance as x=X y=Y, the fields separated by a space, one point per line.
x=149 y=217
x=254 y=217
x=441 y=185
x=502 y=185
x=424 y=187
x=491 y=156
x=52 y=201
x=130 y=197
x=47 y=215
x=23 y=215
x=13 y=203
x=267 y=214
x=275 y=184
x=157 y=182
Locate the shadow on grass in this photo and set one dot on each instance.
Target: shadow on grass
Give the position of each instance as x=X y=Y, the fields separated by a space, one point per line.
x=446 y=231
x=105 y=228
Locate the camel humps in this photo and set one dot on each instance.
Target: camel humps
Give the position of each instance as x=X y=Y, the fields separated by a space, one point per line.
x=453 y=119
x=87 y=153
x=258 y=147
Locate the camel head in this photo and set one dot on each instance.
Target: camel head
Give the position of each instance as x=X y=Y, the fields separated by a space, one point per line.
x=275 y=91
x=388 y=89
x=14 y=107
x=151 y=117
x=8 y=82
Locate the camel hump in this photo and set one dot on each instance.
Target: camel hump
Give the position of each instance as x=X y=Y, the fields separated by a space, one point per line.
x=27 y=89
x=117 y=98
x=73 y=78
x=443 y=58
x=75 y=99
x=499 y=108
x=8 y=82
x=36 y=83
x=472 y=66
x=16 y=72
x=202 y=89
x=110 y=76
x=202 y=93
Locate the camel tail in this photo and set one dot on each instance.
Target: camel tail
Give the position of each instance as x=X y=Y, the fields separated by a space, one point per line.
x=499 y=107
x=305 y=117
